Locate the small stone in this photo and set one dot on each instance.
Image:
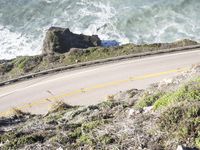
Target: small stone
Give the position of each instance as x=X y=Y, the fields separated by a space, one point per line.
x=73 y=51
x=1 y=144
x=131 y=113
x=180 y=147
x=147 y=109
x=77 y=61
x=60 y=148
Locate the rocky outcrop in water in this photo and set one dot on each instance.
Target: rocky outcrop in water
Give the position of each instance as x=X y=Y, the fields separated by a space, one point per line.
x=61 y=40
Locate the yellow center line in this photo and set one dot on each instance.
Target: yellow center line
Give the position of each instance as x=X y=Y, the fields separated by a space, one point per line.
x=92 y=88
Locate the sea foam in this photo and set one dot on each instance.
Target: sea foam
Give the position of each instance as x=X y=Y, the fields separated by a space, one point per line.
x=23 y=23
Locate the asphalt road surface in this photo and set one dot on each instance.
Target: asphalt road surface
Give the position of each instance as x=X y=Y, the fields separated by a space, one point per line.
x=92 y=85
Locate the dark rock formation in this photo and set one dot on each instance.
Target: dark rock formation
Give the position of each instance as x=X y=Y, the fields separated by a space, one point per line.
x=180 y=147
x=5 y=67
x=61 y=40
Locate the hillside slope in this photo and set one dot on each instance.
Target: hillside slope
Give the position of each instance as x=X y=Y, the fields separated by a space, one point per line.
x=165 y=115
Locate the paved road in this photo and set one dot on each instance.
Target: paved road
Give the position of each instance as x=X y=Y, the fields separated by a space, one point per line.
x=91 y=85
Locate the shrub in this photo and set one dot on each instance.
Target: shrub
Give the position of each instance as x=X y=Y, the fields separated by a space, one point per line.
x=87 y=127
x=148 y=100
x=18 y=113
x=189 y=92
x=60 y=106
x=181 y=122
x=18 y=140
x=86 y=140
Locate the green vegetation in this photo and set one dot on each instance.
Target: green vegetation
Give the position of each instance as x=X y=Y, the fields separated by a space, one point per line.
x=96 y=53
x=81 y=134
x=76 y=133
x=197 y=141
x=180 y=112
x=85 y=139
x=189 y=92
x=174 y=120
x=107 y=139
x=181 y=122
x=148 y=99
x=18 y=139
x=30 y=64
x=26 y=63
x=87 y=127
x=21 y=62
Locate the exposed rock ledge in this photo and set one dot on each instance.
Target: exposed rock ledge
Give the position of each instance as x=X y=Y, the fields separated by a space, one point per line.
x=61 y=40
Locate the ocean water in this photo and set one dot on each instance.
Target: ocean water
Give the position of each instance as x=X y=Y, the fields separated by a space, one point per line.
x=23 y=23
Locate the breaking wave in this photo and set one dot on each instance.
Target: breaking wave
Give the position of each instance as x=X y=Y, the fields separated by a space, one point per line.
x=23 y=23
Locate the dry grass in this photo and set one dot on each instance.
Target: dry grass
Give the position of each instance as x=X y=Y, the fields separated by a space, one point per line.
x=18 y=113
x=59 y=106
x=110 y=98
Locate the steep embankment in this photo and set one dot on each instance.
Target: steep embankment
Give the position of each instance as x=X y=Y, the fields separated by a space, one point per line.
x=162 y=117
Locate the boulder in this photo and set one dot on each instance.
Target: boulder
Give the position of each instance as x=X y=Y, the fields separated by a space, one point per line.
x=61 y=40
x=180 y=147
x=5 y=67
x=73 y=51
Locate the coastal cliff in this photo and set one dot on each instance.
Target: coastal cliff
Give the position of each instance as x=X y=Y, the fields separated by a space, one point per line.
x=62 y=48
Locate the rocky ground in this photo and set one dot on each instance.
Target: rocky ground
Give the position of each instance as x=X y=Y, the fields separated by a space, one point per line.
x=165 y=115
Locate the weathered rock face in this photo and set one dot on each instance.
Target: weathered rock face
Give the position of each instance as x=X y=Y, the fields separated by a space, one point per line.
x=61 y=40
x=5 y=67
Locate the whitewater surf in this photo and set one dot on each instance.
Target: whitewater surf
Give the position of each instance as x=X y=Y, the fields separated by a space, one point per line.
x=23 y=23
